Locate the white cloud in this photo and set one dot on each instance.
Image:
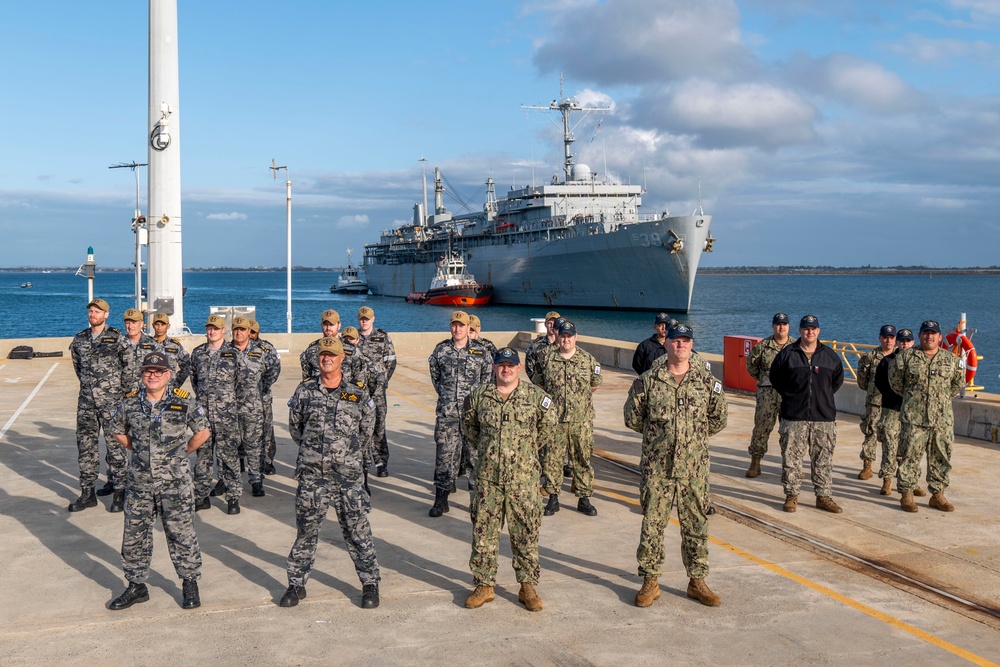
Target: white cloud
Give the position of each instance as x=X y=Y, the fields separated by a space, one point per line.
x=226 y=216
x=935 y=50
x=351 y=222
x=855 y=82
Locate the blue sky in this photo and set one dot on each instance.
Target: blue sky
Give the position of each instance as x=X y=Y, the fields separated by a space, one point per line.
x=835 y=132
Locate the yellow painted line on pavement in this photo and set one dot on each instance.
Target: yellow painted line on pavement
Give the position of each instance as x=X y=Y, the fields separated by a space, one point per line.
x=820 y=588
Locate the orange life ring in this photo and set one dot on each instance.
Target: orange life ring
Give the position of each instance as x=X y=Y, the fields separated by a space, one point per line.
x=960 y=344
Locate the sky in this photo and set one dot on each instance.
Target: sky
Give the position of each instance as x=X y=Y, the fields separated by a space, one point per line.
x=826 y=132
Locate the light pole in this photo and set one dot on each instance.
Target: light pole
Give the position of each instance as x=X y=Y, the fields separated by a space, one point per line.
x=288 y=228
x=139 y=227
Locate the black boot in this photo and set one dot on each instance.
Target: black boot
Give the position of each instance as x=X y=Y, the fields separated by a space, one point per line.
x=269 y=469
x=117 y=502
x=292 y=596
x=133 y=594
x=233 y=506
x=202 y=504
x=257 y=489
x=219 y=491
x=583 y=505
x=440 y=503
x=369 y=596
x=552 y=506
x=191 y=597
x=86 y=499
x=107 y=489
x=381 y=470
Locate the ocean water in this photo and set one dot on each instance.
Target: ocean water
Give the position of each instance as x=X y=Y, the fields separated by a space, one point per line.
x=850 y=308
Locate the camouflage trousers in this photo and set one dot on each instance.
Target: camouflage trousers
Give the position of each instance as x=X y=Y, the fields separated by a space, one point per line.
x=221 y=452
x=380 y=445
x=869 y=427
x=351 y=502
x=574 y=440
x=175 y=505
x=798 y=438
x=270 y=444
x=453 y=453
x=91 y=419
x=658 y=494
x=914 y=441
x=888 y=436
x=251 y=423
x=764 y=416
x=520 y=506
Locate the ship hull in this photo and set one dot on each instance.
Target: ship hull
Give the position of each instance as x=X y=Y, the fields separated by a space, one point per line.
x=350 y=289
x=630 y=268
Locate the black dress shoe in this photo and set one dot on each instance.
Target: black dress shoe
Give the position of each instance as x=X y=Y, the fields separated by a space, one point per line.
x=711 y=510
x=191 y=597
x=219 y=491
x=257 y=489
x=584 y=506
x=269 y=469
x=552 y=506
x=292 y=596
x=202 y=504
x=86 y=499
x=382 y=471
x=107 y=489
x=369 y=596
x=233 y=506
x=133 y=594
x=118 y=502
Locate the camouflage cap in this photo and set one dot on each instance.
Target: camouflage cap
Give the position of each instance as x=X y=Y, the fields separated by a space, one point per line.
x=217 y=321
x=459 y=316
x=552 y=315
x=330 y=317
x=681 y=331
x=155 y=360
x=331 y=345
x=474 y=323
x=904 y=334
x=132 y=315
x=241 y=323
x=161 y=317
x=100 y=303
x=366 y=313
x=506 y=355
x=255 y=326
x=809 y=321
x=350 y=332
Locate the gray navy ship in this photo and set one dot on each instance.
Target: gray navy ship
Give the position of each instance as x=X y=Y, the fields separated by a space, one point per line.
x=575 y=242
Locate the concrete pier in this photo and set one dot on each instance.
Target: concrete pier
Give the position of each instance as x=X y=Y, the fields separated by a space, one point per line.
x=803 y=588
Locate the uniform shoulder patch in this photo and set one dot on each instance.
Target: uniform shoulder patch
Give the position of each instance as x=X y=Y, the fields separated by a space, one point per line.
x=546 y=403
x=132 y=393
x=637 y=386
x=717 y=387
x=181 y=393
x=708 y=366
x=597 y=370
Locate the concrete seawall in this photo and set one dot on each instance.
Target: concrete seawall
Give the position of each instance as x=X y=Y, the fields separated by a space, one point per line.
x=976 y=416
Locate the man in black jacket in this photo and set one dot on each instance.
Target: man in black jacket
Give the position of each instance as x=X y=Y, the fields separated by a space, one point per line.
x=653 y=348
x=806 y=374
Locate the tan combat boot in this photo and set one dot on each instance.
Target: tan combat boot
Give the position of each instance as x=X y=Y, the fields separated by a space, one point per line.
x=699 y=590
x=866 y=470
x=791 y=503
x=528 y=596
x=886 y=486
x=479 y=597
x=906 y=502
x=938 y=501
x=826 y=504
x=754 y=470
x=919 y=492
x=650 y=591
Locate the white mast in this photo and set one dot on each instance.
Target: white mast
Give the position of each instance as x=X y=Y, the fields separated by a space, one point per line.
x=164 y=218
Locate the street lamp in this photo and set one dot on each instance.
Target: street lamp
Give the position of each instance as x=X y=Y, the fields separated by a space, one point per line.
x=288 y=226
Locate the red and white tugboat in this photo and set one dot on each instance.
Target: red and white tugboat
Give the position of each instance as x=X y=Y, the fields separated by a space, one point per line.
x=453 y=286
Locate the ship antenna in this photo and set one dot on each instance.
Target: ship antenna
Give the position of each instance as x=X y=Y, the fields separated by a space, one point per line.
x=701 y=211
x=423 y=179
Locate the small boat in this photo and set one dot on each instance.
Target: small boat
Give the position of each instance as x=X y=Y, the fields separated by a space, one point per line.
x=453 y=286
x=25 y=285
x=350 y=280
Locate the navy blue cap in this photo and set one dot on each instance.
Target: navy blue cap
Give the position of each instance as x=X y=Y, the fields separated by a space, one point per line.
x=887 y=330
x=567 y=328
x=558 y=323
x=904 y=334
x=779 y=318
x=809 y=321
x=662 y=318
x=671 y=323
x=930 y=325
x=506 y=355
x=681 y=331
x=155 y=360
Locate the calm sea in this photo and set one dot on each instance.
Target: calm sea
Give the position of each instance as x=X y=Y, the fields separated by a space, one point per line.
x=850 y=308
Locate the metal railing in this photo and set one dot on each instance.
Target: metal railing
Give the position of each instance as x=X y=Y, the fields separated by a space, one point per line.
x=853 y=351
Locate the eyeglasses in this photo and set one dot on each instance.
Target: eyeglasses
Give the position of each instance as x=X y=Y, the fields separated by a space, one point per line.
x=154 y=372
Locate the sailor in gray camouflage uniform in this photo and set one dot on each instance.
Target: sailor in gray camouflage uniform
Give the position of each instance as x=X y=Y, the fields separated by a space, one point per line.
x=270 y=447
x=475 y=331
x=178 y=358
x=676 y=406
x=504 y=420
x=309 y=359
x=330 y=419
x=377 y=347
x=457 y=366
x=136 y=344
x=154 y=424
x=258 y=371
x=100 y=367
x=215 y=374
x=867 y=365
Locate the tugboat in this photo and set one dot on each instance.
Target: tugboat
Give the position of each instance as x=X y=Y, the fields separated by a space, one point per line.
x=350 y=280
x=453 y=286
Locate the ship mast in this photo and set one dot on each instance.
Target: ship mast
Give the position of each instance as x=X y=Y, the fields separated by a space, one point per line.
x=564 y=105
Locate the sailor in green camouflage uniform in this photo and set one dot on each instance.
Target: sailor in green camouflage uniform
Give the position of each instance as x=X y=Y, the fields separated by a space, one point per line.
x=888 y=422
x=867 y=364
x=768 y=401
x=504 y=420
x=100 y=367
x=376 y=345
x=537 y=348
x=154 y=424
x=178 y=358
x=927 y=378
x=676 y=406
x=136 y=344
x=457 y=366
x=270 y=447
x=570 y=375
x=330 y=419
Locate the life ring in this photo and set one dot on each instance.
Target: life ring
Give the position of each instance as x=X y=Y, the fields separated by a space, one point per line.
x=959 y=344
